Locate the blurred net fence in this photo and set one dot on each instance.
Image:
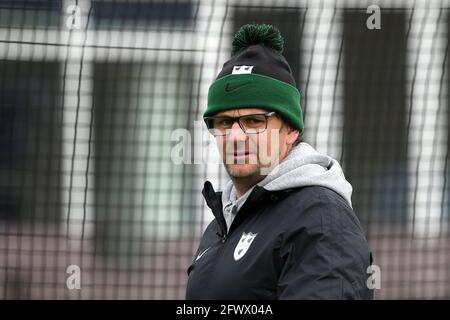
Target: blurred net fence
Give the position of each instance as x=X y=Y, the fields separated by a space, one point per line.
x=103 y=153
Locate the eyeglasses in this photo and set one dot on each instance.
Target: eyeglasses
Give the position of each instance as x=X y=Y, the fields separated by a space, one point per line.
x=250 y=123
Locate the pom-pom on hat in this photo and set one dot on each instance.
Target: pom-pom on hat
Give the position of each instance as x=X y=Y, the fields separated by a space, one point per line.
x=257 y=76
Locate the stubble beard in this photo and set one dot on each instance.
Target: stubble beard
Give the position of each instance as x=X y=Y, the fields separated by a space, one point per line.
x=251 y=170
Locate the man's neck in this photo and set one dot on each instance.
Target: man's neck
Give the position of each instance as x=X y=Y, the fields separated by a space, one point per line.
x=242 y=186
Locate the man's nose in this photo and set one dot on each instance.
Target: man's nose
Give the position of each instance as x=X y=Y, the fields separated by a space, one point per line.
x=236 y=132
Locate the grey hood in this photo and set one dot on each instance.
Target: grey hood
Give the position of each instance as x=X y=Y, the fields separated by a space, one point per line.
x=302 y=167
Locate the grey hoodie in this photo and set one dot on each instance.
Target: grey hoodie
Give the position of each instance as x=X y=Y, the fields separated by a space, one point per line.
x=302 y=167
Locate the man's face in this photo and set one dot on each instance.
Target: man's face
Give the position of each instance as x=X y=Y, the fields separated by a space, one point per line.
x=250 y=155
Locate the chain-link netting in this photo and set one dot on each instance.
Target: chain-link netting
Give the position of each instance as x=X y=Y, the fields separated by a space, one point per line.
x=103 y=152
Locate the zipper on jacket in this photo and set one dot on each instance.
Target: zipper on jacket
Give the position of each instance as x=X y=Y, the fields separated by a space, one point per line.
x=223 y=237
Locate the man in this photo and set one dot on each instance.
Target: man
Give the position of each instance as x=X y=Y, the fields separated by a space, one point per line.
x=284 y=226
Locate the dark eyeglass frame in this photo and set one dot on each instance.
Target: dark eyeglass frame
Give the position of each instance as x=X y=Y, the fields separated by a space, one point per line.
x=216 y=132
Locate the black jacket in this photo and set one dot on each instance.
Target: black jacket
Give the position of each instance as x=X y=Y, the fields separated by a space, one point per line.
x=302 y=243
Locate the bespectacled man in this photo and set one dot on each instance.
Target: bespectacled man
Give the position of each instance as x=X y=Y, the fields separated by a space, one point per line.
x=284 y=226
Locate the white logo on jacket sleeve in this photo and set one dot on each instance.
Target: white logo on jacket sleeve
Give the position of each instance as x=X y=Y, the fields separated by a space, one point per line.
x=243 y=245
x=242 y=69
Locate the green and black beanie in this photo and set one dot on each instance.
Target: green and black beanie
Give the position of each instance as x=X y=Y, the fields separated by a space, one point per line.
x=257 y=76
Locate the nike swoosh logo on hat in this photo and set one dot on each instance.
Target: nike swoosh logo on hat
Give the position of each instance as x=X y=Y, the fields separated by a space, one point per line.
x=234 y=86
x=201 y=254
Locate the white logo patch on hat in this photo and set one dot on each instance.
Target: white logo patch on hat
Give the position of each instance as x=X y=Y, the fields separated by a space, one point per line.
x=243 y=245
x=242 y=69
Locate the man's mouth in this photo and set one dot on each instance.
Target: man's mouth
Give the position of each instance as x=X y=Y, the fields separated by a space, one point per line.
x=239 y=154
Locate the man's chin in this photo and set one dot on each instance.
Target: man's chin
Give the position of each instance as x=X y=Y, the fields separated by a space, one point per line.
x=242 y=170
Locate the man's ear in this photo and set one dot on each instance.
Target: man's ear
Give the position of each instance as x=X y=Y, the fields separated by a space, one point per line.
x=292 y=136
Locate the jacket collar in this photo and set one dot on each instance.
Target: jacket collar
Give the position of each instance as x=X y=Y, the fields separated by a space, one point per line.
x=259 y=197
x=214 y=201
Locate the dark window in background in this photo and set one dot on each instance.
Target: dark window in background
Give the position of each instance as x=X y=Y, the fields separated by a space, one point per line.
x=287 y=20
x=142 y=197
x=143 y=15
x=30 y=13
x=375 y=140
x=30 y=141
